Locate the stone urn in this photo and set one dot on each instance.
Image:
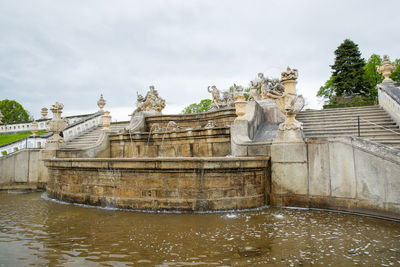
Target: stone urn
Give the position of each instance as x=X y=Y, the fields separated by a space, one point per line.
x=56 y=125
x=34 y=128
x=44 y=113
x=386 y=69
x=101 y=102
x=240 y=105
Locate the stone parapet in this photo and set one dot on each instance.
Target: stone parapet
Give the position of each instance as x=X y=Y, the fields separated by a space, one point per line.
x=347 y=174
x=191 y=184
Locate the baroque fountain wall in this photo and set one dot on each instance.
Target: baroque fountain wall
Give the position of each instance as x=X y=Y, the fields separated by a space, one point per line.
x=172 y=162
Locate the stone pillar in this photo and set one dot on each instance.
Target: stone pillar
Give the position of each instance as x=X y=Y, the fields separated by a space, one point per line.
x=34 y=128
x=56 y=125
x=289 y=185
x=106 y=121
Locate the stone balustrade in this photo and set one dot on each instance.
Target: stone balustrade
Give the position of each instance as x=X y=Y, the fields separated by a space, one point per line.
x=29 y=142
x=84 y=125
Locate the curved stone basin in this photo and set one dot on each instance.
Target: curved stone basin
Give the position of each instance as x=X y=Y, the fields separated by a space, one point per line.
x=217 y=183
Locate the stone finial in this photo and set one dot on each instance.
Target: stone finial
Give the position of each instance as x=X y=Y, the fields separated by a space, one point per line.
x=34 y=128
x=386 y=69
x=44 y=113
x=289 y=74
x=290 y=103
x=101 y=102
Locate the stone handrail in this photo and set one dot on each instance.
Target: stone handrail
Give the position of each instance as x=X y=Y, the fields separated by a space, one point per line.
x=76 y=129
x=389 y=99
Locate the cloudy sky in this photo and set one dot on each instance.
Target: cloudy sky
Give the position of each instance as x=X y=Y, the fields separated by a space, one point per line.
x=72 y=51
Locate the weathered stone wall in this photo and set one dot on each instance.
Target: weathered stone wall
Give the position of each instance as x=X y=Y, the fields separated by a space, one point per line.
x=171 y=184
x=222 y=117
x=23 y=169
x=214 y=142
x=348 y=174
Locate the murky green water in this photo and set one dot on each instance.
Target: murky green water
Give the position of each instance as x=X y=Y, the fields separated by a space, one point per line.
x=39 y=232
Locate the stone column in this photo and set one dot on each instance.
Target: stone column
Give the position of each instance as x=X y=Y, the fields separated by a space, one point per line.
x=289 y=185
x=34 y=128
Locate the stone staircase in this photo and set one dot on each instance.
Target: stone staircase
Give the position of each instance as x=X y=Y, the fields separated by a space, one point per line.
x=375 y=124
x=89 y=139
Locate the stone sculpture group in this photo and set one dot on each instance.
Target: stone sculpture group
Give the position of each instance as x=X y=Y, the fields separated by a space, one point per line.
x=150 y=102
x=217 y=101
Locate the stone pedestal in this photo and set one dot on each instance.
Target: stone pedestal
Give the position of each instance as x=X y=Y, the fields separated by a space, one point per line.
x=289 y=186
x=106 y=121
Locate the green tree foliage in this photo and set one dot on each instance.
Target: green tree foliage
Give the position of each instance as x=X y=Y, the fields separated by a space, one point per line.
x=13 y=111
x=348 y=70
x=371 y=74
x=203 y=106
x=396 y=74
x=327 y=91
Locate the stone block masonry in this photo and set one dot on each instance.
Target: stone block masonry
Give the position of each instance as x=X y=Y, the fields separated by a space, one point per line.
x=189 y=184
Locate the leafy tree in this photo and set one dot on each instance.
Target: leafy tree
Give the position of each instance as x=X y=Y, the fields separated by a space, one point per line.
x=13 y=111
x=371 y=74
x=347 y=71
x=396 y=74
x=327 y=91
x=203 y=106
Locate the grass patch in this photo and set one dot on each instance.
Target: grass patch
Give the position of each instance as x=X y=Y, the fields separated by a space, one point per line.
x=9 y=138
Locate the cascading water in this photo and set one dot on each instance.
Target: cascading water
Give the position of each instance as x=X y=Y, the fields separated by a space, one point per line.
x=154 y=126
x=170 y=123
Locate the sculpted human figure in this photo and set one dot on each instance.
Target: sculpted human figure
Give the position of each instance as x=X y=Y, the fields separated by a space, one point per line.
x=257 y=86
x=215 y=103
x=274 y=89
x=228 y=99
x=151 y=102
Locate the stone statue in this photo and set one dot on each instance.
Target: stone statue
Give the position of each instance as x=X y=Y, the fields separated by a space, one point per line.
x=264 y=88
x=215 y=102
x=237 y=91
x=289 y=74
x=255 y=87
x=273 y=89
x=227 y=99
x=151 y=102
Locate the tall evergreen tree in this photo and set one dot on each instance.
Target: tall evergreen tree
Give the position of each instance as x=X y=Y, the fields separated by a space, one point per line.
x=347 y=71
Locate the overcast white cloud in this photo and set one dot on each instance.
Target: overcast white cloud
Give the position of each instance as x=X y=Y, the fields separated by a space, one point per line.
x=71 y=51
